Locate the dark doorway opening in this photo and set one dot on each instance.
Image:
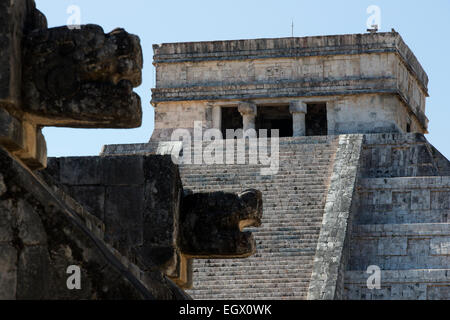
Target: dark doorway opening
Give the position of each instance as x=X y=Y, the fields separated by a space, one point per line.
x=275 y=117
x=231 y=119
x=316 y=120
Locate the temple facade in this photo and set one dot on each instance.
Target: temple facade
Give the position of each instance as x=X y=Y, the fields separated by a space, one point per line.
x=311 y=86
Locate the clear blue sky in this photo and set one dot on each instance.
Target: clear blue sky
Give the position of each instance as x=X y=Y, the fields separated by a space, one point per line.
x=424 y=25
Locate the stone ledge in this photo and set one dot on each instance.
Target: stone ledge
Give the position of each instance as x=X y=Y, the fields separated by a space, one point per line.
x=291 y=47
x=165 y=147
x=393 y=139
x=287 y=88
x=401 y=276
x=401 y=230
x=405 y=183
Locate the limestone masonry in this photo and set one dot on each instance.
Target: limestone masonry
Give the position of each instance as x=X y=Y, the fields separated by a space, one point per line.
x=358 y=207
x=125 y=223
x=365 y=83
x=359 y=186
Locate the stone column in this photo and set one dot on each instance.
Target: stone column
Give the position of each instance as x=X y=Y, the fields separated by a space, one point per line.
x=217 y=117
x=298 y=110
x=248 y=111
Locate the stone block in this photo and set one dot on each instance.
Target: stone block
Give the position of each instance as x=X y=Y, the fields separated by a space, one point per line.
x=420 y=199
x=124 y=208
x=440 y=246
x=92 y=198
x=384 y=293
x=399 y=156
x=383 y=197
x=123 y=170
x=424 y=154
x=401 y=201
x=81 y=171
x=409 y=291
x=31 y=230
x=34 y=273
x=10 y=131
x=440 y=200
x=162 y=201
x=392 y=247
x=438 y=292
x=11 y=30
x=34 y=151
x=8 y=272
x=38 y=159
x=7 y=210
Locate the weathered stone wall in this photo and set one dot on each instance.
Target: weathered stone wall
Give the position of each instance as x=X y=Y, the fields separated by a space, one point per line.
x=401 y=221
x=210 y=73
x=140 y=214
x=147 y=217
x=397 y=155
x=70 y=78
x=43 y=232
x=180 y=115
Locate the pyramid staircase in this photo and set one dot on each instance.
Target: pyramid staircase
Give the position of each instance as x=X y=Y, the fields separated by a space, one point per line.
x=293 y=200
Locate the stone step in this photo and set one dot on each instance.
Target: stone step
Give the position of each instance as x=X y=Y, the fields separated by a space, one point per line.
x=401 y=230
x=293 y=202
x=267 y=230
x=256 y=284
x=294 y=295
x=232 y=272
x=274 y=262
x=229 y=274
x=286 y=184
x=402 y=215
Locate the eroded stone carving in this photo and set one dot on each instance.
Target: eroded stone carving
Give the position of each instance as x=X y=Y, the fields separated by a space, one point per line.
x=150 y=218
x=82 y=78
x=212 y=224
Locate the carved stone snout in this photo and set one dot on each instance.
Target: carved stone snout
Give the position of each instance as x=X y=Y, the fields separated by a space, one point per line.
x=212 y=224
x=82 y=77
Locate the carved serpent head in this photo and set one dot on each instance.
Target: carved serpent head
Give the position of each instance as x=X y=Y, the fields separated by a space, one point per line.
x=212 y=224
x=82 y=77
